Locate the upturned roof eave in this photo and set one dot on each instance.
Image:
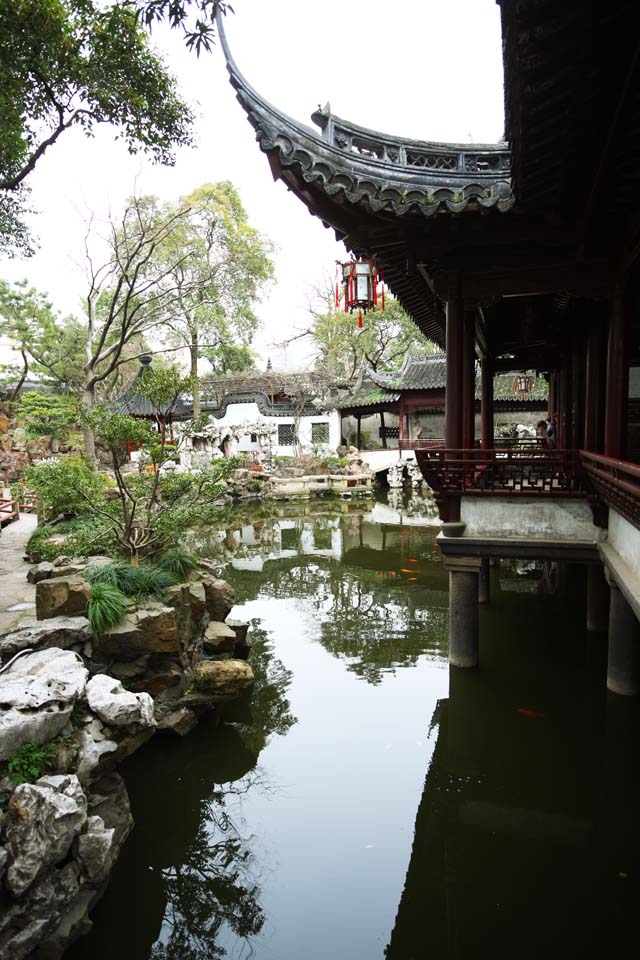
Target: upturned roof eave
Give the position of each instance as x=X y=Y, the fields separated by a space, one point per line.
x=386 y=185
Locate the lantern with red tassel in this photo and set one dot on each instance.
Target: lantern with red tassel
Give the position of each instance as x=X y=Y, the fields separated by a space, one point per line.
x=360 y=287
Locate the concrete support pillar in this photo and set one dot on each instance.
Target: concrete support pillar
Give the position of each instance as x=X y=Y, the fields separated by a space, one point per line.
x=484 y=583
x=463 y=610
x=597 y=599
x=623 y=664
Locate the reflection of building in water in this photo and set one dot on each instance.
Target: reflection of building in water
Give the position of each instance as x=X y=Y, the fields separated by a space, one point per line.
x=526 y=827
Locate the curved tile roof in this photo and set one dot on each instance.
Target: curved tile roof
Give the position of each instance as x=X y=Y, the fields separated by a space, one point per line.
x=386 y=174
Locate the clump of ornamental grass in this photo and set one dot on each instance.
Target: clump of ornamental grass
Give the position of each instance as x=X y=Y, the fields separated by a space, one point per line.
x=106 y=608
x=136 y=582
x=178 y=562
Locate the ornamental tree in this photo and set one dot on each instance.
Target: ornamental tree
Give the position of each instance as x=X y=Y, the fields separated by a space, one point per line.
x=82 y=63
x=218 y=284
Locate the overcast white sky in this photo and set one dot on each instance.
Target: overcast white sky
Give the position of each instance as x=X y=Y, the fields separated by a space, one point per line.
x=430 y=70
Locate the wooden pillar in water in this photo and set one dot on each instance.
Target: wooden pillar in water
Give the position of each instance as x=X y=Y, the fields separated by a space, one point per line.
x=468 y=380
x=486 y=404
x=617 y=387
x=358 y=432
x=383 y=435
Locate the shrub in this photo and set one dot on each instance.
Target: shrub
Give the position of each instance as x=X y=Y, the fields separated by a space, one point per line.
x=46 y=414
x=178 y=562
x=68 y=486
x=106 y=608
x=30 y=763
x=82 y=538
x=136 y=582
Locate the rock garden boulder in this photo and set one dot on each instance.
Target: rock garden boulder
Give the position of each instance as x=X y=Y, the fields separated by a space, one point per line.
x=63 y=632
x=117 y=707
x=62 y=596
x=38 y=693
x=148 y=629
x=219 y=638
x=221 y=679
x=43 y=819
x=220 y=597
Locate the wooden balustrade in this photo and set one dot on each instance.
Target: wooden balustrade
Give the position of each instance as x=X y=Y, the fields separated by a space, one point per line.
x=503 y=472
x=616 y=482
x=500 y=443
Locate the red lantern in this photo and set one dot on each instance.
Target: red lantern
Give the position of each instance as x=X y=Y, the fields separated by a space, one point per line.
x=360 y=286
x=523 y=385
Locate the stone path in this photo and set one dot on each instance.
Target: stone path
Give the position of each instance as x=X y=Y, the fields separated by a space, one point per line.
x=17 y=597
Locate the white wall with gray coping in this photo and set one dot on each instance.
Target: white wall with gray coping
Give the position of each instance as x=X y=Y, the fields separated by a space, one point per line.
x=528 y=517
x=625 y=540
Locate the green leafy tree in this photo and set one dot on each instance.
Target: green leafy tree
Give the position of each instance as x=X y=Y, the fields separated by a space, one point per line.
x=47 y=415
x=218 y=282
x=81 y=63
x=230 y=358
x=382 y=343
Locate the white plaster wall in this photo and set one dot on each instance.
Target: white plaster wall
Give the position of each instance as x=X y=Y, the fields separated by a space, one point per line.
x=237 y=414
x=625 y=540
x=523 y=517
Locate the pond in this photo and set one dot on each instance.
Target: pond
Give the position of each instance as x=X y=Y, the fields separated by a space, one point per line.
x=363 y=803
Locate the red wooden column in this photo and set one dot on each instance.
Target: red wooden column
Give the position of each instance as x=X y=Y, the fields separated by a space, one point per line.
x=453 y=400
x=486 y=404
x=617 y=387
x=469 y=380
x=593 y=384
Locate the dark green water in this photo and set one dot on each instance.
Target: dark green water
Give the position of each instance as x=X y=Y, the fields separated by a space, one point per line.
x=365 y=803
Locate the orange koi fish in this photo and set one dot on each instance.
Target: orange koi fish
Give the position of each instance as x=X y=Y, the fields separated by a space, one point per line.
x=402 y=570
x=409 y=579
x=411 y=560
x=530 y=713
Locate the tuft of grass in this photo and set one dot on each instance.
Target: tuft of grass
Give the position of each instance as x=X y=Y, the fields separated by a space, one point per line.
x=178 y=562
x=106 y=608
x=137 y=582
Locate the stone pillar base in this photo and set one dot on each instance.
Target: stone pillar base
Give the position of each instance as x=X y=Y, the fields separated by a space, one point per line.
x=463 y=610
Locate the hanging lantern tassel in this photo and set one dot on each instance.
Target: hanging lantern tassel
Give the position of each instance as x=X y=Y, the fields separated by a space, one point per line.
x=360 y=320
x=337 y=296
x=375 y=288
x=382 y=286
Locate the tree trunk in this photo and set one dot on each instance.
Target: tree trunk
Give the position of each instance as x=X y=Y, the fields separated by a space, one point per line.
x=89 y=401
x=197 y=409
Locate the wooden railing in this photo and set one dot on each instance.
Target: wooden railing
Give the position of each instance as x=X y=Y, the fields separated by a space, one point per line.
x=616 y=482
x=502 y=472
x=8 y=510
x=500 y=443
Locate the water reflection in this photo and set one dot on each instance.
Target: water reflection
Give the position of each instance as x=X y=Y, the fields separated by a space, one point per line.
x=525 y=840
x=291 y=829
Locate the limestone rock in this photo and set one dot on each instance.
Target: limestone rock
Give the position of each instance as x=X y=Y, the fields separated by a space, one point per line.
x=43 y=819
x=40 y=571
x=93 y=745
x=156 y=682
x=219 y=638
x=220 y=597
x=222 y=679
x=60 y=632
x=116 y=706
x=180 y=722
x=243 y=645
x=149 y=629
x=38 y=693
x=4 y=860
x=93 y=849
x=62 y=596
x=25 y=924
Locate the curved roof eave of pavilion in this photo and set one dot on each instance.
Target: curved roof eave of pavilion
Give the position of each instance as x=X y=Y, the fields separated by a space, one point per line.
x=366 y=185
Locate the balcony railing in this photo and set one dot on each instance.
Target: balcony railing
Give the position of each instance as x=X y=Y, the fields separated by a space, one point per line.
x=500 y=443
x=502 y=472
x=616 y=482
